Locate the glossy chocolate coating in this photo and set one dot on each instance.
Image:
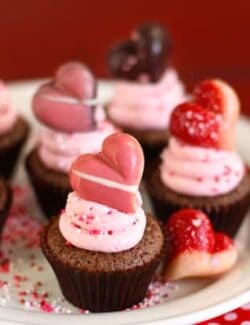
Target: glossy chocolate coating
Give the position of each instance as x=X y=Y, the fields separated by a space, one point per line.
x=144 y=55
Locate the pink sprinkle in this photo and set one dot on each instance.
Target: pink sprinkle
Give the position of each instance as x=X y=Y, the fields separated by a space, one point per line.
x=90 y=217
x=109 y=212
x=94 y=232
x=110 y=232
x=46 y=307
x=171 y=173
x=216 y=179
x=81 y=218
x=2 y=283
x=227 y=170
x=199 y=179
x=22 y=293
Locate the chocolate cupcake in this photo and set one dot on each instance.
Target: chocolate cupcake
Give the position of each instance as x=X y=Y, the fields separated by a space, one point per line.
x=73 y=124
x=5 y=202
x=14 y=131
x=147 y=88
x=200 y=169
x=103 y=249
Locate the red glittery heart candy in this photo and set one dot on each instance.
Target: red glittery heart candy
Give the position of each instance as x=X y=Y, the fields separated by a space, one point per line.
x=62 y=104
x=112 y=176
x=194 y=249
x=210 y=119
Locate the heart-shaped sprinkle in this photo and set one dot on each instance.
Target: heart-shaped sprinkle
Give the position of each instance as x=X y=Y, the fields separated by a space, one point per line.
x=194 y=249
x=145 y=54
x=210 y=119
x=112 y=176
x=63 y=103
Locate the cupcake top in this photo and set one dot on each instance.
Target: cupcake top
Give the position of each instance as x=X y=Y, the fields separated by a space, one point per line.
x=201 y=159
x=8 y=115
x=194 y=249
x=147 y=89
x=104 y=212
x=73 y=121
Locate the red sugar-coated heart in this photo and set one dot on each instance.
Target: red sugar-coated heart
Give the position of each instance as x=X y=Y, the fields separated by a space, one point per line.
x=210 y=119
x=60 y=103
x=208 y=94
x=120 y=162
x=195 y=125
x=194 y=249
x=189 y=229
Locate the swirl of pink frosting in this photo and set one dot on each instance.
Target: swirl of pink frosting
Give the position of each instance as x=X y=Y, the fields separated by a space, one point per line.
x=96 y=227
x=58 y=150
x=147 y=105
x=8 y=115
x=199 y=171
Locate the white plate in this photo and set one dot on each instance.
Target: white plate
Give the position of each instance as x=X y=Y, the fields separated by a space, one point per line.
x=188 y=302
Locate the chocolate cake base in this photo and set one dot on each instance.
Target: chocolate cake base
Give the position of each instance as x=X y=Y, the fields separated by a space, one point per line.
x=5 y=202
x=152 y=141
x=51 y=186
x=226 y=212
x=102 y=282
x=11 y=144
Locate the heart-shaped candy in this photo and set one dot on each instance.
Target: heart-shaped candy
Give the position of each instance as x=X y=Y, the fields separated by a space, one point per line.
x=112 y=176
x=210 y=119
x=194 y=249
x=63 y=103
x=144 y=56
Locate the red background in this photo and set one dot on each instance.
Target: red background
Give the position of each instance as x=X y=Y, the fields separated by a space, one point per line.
x=211 y=38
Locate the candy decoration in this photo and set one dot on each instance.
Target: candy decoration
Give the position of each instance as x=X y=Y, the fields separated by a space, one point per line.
x=194 y=249
x=64 y=103
x=210 y=119
x=144 y=55
x=112 y=176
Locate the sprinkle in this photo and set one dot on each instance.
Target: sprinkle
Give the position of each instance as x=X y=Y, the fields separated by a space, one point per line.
x=94 y=232
x=110 y=232
x=46 y=307
x=199 y=179
x=109 y=212
x=67 y=243
x=5 y=266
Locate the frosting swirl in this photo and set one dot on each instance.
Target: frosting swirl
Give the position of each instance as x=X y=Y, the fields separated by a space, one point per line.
x=199 y=171
x=96 y=227
x=146 y=105
x=8 y=115
x=58 y=150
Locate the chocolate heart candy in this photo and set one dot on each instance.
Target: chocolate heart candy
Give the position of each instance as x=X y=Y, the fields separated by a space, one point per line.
x=153 y=47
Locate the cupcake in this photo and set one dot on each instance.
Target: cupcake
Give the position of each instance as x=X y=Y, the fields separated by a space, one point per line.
x=193 y=249
x=14 y=131
x=146 y=89
x=73 y=123
x=200 y=168
x=103 y=248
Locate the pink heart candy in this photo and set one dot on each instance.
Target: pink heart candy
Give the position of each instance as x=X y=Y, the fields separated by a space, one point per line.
x=75 y=78
x=60 y=103
x=112 y=176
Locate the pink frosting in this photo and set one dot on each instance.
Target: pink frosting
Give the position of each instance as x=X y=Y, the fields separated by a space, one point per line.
x=58 y=150
x=144 y=105
x=96 y=227
x=8 y=115
x=199 y=171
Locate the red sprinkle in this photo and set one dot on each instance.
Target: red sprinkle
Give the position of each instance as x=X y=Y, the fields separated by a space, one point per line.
x=5 y=266
x=110 y=232
x=94 y=232
x=46 y=307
